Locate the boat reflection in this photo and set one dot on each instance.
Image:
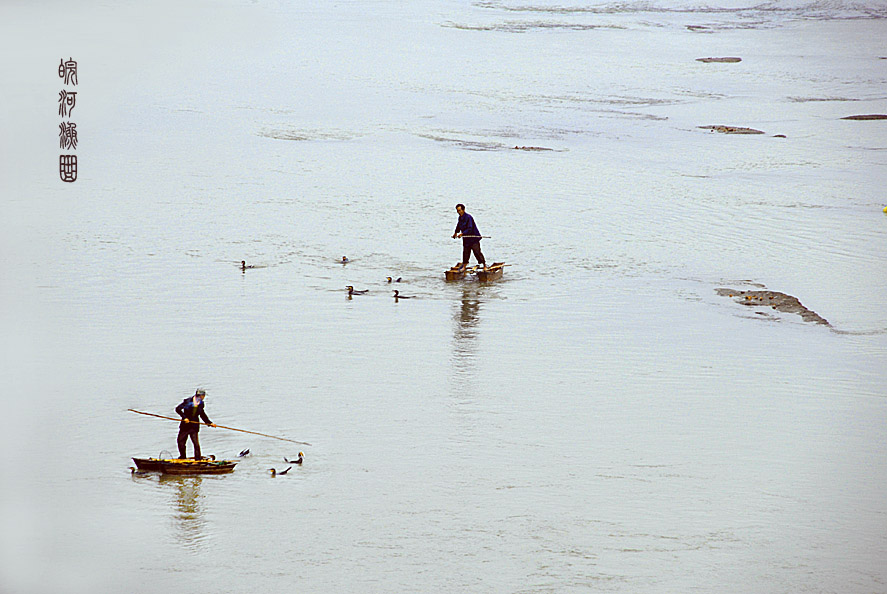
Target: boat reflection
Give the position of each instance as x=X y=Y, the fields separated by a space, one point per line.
x=465 y=332
x=188 y=518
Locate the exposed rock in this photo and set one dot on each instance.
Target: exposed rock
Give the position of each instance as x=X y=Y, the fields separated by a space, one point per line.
x=871 y=116
x=731 y=130
x=719 y=60
x=779 y=136
x=774 y=300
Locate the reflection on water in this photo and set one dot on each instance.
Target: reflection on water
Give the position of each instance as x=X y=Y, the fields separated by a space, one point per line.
x=465 y=331
x=188 y=516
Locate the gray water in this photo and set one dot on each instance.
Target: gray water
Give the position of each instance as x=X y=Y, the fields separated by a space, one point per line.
x=599 y=419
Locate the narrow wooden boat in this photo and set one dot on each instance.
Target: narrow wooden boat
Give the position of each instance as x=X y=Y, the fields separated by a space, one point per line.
x=491 y=272
x=185 y=466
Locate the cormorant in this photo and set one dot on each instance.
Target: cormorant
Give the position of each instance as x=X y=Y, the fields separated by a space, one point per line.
x=296 y=461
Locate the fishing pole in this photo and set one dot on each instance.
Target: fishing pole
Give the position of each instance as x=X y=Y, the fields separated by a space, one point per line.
x=220 y=427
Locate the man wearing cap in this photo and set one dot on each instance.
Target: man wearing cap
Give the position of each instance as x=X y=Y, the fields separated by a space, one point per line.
x=468 y=231
x=190 y=409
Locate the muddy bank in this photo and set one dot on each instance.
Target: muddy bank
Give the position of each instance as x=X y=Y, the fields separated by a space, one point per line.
x=774 y=300
x=731 y=130
x=870 y=116
x=727 y=60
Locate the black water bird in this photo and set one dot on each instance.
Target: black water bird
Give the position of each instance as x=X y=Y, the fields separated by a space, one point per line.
x=345 y=260
x=243 y=453
x=243 y=265
x=136 y=472
x=274 y=472
x=396 y=281
x=399 y=296
x=296 y=461
x=351 y=291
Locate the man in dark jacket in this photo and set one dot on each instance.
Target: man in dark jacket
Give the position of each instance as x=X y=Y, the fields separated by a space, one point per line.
x=190 y=410
x=470 y=234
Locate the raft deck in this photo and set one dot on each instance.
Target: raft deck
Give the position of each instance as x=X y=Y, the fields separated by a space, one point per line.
x=492 y=272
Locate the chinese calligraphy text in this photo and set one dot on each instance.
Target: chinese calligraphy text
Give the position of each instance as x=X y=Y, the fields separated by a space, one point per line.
x=67 y=130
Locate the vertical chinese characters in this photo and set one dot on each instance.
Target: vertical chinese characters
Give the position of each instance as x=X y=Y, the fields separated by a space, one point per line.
x=67 y=129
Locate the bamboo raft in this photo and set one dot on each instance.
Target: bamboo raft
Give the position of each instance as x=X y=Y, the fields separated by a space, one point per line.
x=492 y=272
x=185 y=465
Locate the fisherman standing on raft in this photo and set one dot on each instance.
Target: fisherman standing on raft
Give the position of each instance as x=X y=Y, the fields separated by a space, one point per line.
x=470 y=234
x=190 y=409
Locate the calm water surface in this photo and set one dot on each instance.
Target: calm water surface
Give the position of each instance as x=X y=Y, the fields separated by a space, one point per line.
x=598 y=420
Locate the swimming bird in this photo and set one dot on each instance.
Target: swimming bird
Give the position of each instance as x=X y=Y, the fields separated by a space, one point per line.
x=274 y=473
x=351 y=291
x=297 y=461
x=136 y=472
x=345 y=260
x=243 y=265
x=243 y=453
x=398 y=296
x=396 y=281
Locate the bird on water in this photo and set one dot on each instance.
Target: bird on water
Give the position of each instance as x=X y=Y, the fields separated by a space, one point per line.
x=296 y=461
x=390 y=280
x=345 y=260
x=243 y=453
x=274 y=472
x=351 y=291
x=397 y=296
x=136 y=472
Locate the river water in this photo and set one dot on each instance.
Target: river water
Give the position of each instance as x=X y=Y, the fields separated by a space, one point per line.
x=599 y=419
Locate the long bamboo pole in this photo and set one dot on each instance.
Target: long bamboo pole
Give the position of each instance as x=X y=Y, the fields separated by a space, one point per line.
x=221 y=427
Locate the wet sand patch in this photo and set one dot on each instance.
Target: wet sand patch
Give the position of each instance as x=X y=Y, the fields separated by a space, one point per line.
x=870 y=116
x=725 y=60
x=532 y=148
x=528 y=26
x=485 y=145
x=731 y=129
x=463 y=143
x=307 y=135
x=816 y=99
x=774 y=300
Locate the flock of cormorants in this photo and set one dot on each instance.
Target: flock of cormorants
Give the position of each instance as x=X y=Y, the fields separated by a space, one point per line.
x=351 y=291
